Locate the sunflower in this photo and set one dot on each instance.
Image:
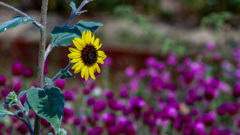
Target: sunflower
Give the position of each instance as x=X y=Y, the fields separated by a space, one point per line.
x=86 y=55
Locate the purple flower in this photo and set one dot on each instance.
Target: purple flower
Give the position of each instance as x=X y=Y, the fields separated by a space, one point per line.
x=171 y=112
x=3 y=80
x=60 y=83
x=95 y=131
x=160 y=66
x=108 y=94
x=115 y=105
x=236 y=90
x=77 y=121
x=199 y=127
x=209 y=118
x=45 y=123
x=221 y=110
x=129 y=72
x=22 y=129
x=209 y=93
x=27 y=72
x=134 y=85
x=16 y=84
x=90 y=101
x=108 y=61
x=68 y=96
x=172 y=60
x=112 y=130
x=151 y=61
x=232 y=109
x=5 y=92
x=67 y=112
x=99 y=106
x=142 y=73
x=86 y=91
x=211 y=46
x=124 y=94
x=214 y=131
x=109 y=119
x=17 y=68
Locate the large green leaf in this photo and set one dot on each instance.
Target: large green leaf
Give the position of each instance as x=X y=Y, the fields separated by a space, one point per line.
x=15 y=22
x=48 y=104
x=4 y=112
x=63 y=36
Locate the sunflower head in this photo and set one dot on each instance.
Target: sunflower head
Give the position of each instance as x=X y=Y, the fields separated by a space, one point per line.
x=86 y=55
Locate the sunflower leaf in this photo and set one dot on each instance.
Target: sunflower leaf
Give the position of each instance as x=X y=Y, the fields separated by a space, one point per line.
x=15 y=22
x=63 y=36
x=47 y=103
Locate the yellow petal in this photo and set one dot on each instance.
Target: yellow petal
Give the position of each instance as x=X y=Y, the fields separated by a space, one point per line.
x=77 y=44
x=78 y=69
x=93 y=39
x=74 y=50
x=74 y=55
x=103 y=57
x=100 y=53
x=76 y=65
x=80 y=41
x=96 y=43
x=87 y=75
x=83 y=71
x=88 y=37
x=97 y=67
x=99 y=46
x=91 y=71
x=84 y=37
x=75 y=60
x=99 y=60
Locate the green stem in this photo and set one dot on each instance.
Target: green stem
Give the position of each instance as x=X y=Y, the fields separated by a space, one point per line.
x=42 y=45
x=59 y=74
x=25 y=115
x=37 y=24
x=30 y=129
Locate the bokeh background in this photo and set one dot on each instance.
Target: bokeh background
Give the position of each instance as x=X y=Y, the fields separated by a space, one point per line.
x=174 y=40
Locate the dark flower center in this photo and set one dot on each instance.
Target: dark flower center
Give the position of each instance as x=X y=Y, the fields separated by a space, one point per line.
x=89 y=55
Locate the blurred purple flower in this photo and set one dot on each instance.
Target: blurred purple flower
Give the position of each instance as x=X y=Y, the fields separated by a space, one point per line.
x=172 y=60
x=77 y=121
x=209 y=118
x=108 y=61
x=90 y=101
x=17 y=68
x=27 y=72
x=22 y=129
x=3 y=80
x=151 y=61
x=5 y=92
x=45 y=123
x=129 y=72
x=60 y=83
x=99 y=106
x=16 y=84
x=68 y=95
x=108 y=94
x=211 y=46
x=124 y=93
x=134 y=85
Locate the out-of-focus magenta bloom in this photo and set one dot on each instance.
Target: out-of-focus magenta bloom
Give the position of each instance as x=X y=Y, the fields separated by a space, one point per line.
x=77 y=121
x=134 y=85
x=109 y=119
x=17 y=68
x=99 y=106
x=214 y=131
x=45 y=123
x=211 y=46
x=217 y=56
x=142 y=73
x=188 y=76
x=86 y=91
x=5 y=92
x=209 y=93
x=199 y=127
x=16 y=84
x=172 y=60
x=209 y=118
x=60 y=83
x=68 y=96
x=236 y=90
x=232 y=108
x=171 y=112
x=108 y=61
x=3 y=80
x=45 y=71
x=108 y=94
x=95 y=131
x=22 y=129
x=160 y=66
x=151 y=61
x=90 y=101
x=222 y=110
x=23 y=99
x=129 y=72
x=124 y=93
x=27 y=72
x=113 y=130
x=115 y=105
x=153 y=72
x=68 y=112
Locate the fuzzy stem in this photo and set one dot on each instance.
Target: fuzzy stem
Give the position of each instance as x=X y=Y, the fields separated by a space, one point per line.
x=37 y=24
x=26 y=117
x=42 y=45
x=31 y=132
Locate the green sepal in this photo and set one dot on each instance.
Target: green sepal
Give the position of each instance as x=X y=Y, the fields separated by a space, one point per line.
x=65 y=74
x=63 y=36
x=4 y=112
x=47 y=103
x=15 y=22
x=48 y=81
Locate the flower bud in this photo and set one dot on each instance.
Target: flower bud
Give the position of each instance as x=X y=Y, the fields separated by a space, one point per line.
x=60 y=83
x=12 y=97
